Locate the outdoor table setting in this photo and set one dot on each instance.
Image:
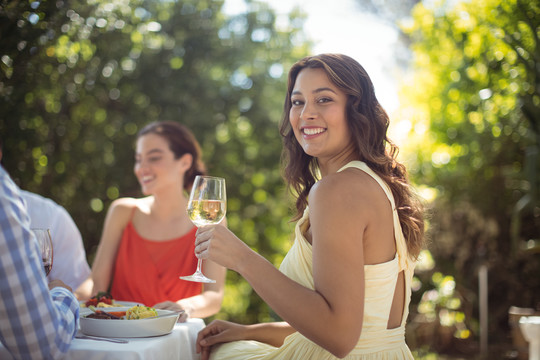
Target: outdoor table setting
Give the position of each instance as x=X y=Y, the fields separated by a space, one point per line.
x=139 y=344
x=140 y=333
x=178 y=344
x=133 y=331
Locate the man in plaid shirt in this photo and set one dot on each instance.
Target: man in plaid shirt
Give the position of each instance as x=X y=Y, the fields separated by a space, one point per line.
x=37 y=320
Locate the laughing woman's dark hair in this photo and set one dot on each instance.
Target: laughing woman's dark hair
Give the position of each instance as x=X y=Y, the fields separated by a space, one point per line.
x=368 y=123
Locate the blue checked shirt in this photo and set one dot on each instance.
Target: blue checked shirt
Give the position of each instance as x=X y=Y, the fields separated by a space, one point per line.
x=35 y=323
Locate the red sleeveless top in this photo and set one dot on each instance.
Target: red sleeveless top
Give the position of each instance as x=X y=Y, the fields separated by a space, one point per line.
x=148 y=271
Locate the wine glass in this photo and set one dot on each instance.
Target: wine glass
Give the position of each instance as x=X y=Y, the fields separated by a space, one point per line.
x=206 y=206
x=46 y=248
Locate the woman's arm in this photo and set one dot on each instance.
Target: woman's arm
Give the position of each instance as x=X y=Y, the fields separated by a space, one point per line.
x=219 y=331
x=116 y=220
x=84 y=291
x=331 y=314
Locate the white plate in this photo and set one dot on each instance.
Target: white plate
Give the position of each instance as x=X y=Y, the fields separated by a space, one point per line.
x=129 y=328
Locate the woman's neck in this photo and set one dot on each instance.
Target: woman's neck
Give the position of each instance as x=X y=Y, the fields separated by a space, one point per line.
x=169 y=205
x=331 y=166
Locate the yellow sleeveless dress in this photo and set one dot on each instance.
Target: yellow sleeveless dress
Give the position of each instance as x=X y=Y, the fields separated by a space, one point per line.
x=376 y=341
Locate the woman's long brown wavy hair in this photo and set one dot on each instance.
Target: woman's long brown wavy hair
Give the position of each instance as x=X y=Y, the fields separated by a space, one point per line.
x=368 y=124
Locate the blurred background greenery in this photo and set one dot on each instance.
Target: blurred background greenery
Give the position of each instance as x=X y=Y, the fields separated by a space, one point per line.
x=79 y=79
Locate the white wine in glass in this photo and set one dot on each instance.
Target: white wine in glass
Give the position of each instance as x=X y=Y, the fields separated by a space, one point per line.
x=207 y=205
x=45 y=247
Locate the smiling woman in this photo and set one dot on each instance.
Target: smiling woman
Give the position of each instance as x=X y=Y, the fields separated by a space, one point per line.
x=317 y=115
x=148 y=243
x=359 y=232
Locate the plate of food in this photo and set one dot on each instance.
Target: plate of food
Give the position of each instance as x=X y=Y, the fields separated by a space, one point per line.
x=128 y=322
x=103 y=300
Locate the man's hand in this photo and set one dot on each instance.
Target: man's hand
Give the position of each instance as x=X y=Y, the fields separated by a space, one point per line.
x=58 y=283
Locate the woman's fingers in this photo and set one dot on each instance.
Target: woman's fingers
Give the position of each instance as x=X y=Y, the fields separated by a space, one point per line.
x=202 y=241
x=167 y=305
x=183 y=317
x=218 y=244
x=204 y=233
x=170 y=305
x=217 y=332
x=205 y=353
x=213 y=340
x=201 y=335
x=211 y=334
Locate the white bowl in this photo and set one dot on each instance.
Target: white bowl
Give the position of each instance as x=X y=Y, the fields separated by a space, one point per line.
x=129 y=328
x=530 y=328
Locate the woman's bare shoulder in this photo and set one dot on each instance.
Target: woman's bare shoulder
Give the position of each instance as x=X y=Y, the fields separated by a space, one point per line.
x=351 y=192
x=123 y=207
x=349 y=184
x=125 y=203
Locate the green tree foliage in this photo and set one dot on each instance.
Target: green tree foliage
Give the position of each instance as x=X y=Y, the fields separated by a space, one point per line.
x=473 y=107
x=79 y=79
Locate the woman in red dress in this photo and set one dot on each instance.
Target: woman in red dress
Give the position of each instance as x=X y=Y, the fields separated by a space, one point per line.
x=148 y=243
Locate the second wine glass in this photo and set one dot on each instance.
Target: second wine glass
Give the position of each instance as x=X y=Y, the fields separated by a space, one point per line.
x=45 y=247
x=207 y=205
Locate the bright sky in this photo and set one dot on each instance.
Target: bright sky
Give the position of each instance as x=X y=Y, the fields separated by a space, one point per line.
x=340 y=26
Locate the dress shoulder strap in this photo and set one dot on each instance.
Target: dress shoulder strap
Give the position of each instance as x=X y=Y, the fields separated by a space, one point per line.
x=362 y=166
x=401 y=245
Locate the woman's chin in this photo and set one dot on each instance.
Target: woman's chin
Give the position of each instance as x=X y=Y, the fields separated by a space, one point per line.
x=146 y=191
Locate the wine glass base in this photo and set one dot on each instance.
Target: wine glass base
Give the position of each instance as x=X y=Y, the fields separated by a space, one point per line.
x=198 y=278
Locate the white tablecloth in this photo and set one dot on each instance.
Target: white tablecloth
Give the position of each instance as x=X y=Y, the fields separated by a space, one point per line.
x=179 y=344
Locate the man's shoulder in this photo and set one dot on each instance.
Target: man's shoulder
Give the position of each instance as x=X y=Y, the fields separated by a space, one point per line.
x=36 y=200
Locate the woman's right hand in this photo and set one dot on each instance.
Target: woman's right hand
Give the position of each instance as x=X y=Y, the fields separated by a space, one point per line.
x=220 y=245
x=218 y=331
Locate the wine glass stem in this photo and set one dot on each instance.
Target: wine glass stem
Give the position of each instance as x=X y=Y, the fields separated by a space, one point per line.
x=199 y=265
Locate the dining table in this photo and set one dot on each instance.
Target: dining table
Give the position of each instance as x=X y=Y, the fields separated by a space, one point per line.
x=177 y=345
